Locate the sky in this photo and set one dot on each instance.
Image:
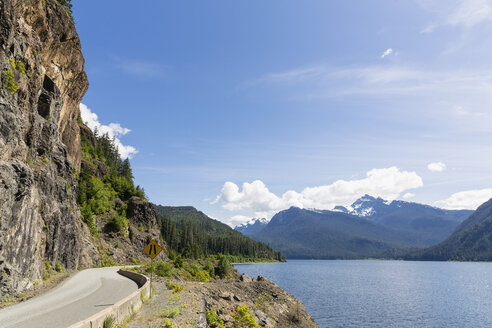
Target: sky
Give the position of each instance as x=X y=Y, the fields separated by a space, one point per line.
x=245 y=108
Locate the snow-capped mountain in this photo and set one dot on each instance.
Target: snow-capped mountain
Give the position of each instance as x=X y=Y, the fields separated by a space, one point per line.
x=252 y=226
x=367 y=206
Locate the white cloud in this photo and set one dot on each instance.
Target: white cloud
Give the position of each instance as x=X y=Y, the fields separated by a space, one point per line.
x=387 y=52
x=236 y=220
x=408 y=195
x=114 y=130
x=469 y=199
x=436 y=166
x=387 y=183
x=328 y=82
x=140 y=68
x=291 y=76
x=464 y=13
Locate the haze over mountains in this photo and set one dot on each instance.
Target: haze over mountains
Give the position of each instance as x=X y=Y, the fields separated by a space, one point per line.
x=370 y=227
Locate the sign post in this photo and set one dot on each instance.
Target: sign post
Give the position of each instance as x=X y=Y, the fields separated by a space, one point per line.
x=152 y=250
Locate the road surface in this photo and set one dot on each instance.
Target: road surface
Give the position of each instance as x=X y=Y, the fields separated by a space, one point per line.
x=78 y=298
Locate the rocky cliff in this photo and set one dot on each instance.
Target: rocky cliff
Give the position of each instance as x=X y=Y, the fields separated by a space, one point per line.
x=43 y=81
x=42 y=84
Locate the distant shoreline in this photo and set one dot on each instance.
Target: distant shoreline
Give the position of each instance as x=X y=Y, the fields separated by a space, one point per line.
x=258 y=262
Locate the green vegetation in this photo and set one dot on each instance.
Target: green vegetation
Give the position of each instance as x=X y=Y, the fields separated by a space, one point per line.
x=58 y=267
x=213 y=319
x=20 y=67
x=8 y=81
x=109 y=322
x=47 y=270
x=167 y=323
x=105 y=183
x=224 y=267
x=471 y=241
x=176 y=288
x=244 y=318
x=68 y=6
x=169 y=313
x=192 y=234
x=190 y=270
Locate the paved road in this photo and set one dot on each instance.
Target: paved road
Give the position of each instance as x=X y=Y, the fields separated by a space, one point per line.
x=83 y=295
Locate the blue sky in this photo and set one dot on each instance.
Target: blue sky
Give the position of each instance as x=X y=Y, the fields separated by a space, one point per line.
x=242 y=109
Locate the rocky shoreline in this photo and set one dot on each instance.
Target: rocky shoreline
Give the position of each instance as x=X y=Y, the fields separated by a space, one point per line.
x=269 y=304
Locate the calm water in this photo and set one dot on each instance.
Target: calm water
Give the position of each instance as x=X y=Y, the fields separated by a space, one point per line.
x=386 y=293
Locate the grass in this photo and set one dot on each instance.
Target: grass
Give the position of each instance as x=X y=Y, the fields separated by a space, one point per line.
x=169 y=313
x=176 y=288
x=144 y=297
x=109 y=322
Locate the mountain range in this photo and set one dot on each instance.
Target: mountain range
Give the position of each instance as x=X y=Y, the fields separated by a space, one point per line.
x=471 y=241
x=370 y=227
x=252 y=226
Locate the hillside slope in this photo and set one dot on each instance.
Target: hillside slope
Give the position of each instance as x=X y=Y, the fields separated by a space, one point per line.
x=120 y=219
x=193 y=234
x=471 y=241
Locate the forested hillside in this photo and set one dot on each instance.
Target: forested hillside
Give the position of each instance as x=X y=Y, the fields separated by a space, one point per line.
x=116 y=212
x=192 y=234
x=471 y=241
x=105 y=183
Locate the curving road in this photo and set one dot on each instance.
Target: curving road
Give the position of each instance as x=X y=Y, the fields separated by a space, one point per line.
x=78 y=298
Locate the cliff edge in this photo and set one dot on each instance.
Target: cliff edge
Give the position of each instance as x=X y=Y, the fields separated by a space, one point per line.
x=43 y=81
x=41 y=166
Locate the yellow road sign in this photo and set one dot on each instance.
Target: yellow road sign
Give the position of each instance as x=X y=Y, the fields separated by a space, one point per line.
x=152 y=249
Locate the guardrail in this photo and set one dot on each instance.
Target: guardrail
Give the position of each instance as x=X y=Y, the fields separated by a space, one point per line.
x=122 y=309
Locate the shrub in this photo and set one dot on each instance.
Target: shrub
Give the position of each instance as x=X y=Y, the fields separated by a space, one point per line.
x=202 y=276
x=244 y=318
x=89 y=218
x=164 y=269
x=209 y=267
x=20 y=67
x=170 y=313
x=174 y=287
x=58 y=267
x=167 y=323
x=8 y=81
x=117 y=223
x=178 y=263
x=223 y=266
x=47 y=270
x=213 y=319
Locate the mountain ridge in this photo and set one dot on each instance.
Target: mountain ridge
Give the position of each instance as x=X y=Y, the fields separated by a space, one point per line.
x=470 y=241
x=392 y=228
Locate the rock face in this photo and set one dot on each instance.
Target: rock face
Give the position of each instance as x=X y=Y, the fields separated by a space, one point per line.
x=270 y=304
x=40 y=56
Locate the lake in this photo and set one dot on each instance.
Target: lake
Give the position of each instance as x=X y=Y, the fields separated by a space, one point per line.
x=386 y=293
